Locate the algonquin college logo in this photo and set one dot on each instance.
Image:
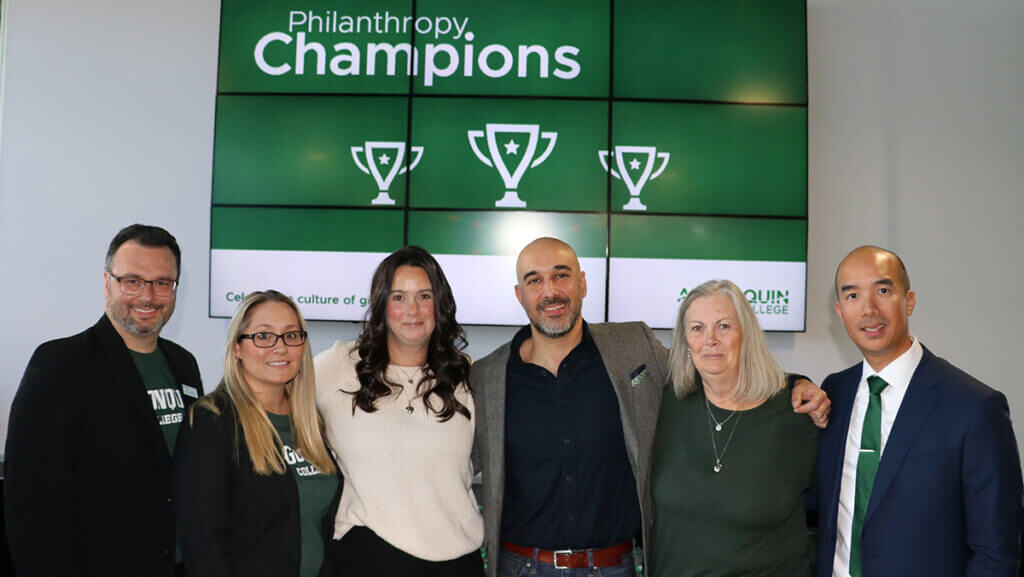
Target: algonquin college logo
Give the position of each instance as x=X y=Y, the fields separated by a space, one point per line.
x=768 y=301
x=765 y=302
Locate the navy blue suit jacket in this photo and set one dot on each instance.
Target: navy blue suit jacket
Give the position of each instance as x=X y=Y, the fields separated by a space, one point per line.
x=947 y=497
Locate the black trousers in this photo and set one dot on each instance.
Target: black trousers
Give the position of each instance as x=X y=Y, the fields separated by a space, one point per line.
x=361 y=553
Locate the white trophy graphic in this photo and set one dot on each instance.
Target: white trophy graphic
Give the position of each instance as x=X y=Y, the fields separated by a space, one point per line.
x=376 y=153
x=523 y=161
x=634 y=182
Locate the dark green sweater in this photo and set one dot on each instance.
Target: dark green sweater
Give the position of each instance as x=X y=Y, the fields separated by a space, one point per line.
x=747 y=519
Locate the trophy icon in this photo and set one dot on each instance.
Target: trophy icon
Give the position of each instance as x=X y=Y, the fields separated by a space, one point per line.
x=511 y=156
x=628 y=160
x=377 y=158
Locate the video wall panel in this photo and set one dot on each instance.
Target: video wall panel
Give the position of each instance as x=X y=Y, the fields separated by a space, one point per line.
x=666 y=141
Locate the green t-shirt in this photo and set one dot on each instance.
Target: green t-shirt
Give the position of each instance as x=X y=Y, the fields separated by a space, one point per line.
x=747 y=519
x=316 y=491
x=163 y=392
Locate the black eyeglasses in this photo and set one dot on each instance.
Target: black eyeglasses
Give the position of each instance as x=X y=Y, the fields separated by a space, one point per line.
x=266 y=340
x=133 y=285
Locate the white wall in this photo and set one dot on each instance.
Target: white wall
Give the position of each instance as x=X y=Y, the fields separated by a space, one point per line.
x=916 y=133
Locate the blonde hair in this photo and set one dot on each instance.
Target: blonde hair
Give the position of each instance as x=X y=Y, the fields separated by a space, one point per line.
x=261 y=438
x=760 y=377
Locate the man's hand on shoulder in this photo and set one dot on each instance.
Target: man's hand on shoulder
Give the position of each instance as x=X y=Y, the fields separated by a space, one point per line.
x=809 y=399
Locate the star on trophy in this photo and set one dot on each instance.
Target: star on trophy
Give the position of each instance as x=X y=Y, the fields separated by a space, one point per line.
x=634 y=171
x=384 y=167
x=511 y=156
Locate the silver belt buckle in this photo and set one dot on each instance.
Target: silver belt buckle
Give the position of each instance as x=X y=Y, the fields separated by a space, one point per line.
x=560 y=552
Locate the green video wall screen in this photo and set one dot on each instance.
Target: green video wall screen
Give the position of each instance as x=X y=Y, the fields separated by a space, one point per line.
x=666 y=141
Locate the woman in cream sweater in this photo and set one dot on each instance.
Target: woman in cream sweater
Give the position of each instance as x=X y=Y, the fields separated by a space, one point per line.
x=399 y=416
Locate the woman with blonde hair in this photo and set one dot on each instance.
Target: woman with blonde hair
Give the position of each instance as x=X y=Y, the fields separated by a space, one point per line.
x=731 y=458
x=253 y=479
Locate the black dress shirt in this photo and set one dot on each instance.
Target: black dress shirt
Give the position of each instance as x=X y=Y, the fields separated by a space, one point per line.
x=568 y=484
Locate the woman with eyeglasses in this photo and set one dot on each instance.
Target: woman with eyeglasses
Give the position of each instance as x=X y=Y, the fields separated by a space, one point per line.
x=399 y=417
x=253 y=480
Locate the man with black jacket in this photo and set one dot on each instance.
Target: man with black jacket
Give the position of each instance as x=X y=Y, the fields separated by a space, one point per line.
x=92 y=428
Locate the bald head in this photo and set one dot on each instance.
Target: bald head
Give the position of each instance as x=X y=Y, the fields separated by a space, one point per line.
x=880 y=256
x=875 y=303
x=551 y=287
x=545 y=251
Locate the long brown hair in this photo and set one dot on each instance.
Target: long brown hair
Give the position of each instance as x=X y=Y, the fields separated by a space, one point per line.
x=446 y=364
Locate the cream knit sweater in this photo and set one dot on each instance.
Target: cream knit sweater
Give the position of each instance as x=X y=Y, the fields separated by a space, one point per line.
x=407 y=476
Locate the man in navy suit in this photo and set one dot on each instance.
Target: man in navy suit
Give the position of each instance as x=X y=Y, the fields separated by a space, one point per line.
x=918 y=473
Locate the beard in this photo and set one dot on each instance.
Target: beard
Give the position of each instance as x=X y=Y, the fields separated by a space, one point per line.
x=555 y=328
x=121 y=314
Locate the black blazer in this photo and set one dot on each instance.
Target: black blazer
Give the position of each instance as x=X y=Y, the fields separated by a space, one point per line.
x=88 y=472
x=231 y=521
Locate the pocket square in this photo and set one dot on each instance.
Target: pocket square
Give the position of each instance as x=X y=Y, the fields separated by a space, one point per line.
x=638 y=375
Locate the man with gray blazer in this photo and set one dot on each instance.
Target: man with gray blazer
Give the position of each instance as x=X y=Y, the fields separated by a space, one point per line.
x=566 y=419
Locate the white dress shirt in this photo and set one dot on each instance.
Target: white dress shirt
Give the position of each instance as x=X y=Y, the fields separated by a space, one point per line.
x=898 y=374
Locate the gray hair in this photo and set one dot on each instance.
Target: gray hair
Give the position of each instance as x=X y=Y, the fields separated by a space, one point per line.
x=760 y=377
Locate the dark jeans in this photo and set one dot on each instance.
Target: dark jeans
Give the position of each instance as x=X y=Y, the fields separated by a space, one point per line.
x=361 y=553
x=513 y=565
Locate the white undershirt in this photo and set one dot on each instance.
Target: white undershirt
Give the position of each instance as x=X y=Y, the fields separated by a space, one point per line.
x=898 y=374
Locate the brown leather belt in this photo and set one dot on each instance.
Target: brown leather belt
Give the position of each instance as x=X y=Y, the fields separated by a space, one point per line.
x=567 y=558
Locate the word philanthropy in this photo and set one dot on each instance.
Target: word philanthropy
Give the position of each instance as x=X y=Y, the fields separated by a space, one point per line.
x=511 y=149
x=440 y=59
x=763 y=301
x=332 y=22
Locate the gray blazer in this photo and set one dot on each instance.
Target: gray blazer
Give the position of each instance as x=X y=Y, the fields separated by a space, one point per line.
x=624 y=348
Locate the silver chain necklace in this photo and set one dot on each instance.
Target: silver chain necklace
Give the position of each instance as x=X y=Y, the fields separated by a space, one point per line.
x=719 y=456
x=408 y=406
x=718 y=425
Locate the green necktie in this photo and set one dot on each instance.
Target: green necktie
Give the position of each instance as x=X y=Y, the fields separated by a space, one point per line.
x=867 y=466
